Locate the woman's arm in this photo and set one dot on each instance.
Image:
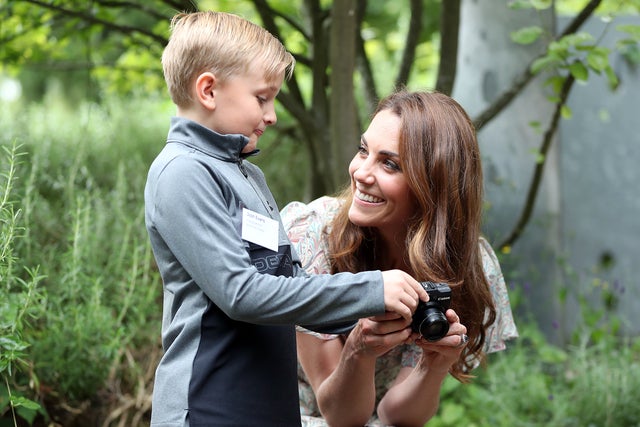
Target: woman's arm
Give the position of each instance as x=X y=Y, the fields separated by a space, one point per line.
x=413 y=399
x=342 y=385
x=414 y=396
x=343 y=376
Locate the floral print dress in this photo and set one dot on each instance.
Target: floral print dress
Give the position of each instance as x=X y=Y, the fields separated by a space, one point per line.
x=305 y=225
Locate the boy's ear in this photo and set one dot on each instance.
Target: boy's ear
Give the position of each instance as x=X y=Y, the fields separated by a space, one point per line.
x=205 y=90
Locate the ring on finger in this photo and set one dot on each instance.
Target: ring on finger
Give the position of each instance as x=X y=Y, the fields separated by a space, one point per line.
x=464 y=338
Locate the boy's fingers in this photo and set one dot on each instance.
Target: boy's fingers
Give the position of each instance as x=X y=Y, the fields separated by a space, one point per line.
x=422 y=293
x=402 y=292
x=403 y=310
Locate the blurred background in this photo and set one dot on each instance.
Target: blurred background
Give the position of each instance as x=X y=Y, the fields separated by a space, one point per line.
x=551 y=86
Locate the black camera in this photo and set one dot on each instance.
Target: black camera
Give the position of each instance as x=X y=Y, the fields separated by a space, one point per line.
x=429 y=319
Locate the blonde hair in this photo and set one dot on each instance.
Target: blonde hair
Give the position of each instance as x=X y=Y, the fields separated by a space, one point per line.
x=221 y=43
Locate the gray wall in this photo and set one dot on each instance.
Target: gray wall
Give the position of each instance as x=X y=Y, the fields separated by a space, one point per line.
x=600 y=183
x=589 y=202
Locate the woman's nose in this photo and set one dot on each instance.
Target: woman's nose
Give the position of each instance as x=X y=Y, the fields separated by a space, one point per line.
x=363 y=173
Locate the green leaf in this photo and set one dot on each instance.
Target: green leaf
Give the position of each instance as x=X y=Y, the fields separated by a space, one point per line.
x=545 y=63
x=612 y=78
x=632 y=30
x=558 y=49
x=555 y=82
x=579 y=71
x=530 y=4
x=576 y=40
x=520 y=4
x=566 y=112
x=631 y=52
x=598 y=59
x=536 y=126
x=541 y=4
x=23 y=401
x=539 y=157
x=526 y=35
x=12 y=344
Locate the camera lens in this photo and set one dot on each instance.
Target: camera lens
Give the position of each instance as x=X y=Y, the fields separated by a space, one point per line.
x=434 y=324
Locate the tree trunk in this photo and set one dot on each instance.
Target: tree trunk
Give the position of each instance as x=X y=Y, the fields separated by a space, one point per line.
x=449 y=28
x=343 y=116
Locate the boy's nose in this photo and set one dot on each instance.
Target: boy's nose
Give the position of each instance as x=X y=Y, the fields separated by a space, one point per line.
x=270 y=117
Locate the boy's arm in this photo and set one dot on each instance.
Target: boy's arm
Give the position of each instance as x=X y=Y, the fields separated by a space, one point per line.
x=193 y=213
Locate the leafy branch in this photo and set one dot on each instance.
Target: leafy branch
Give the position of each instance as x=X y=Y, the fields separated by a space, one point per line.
x=92 y=19
x=521 y=81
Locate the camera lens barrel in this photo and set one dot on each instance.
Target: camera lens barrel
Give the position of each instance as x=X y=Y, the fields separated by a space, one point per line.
x=430 y=322
x=429 y=319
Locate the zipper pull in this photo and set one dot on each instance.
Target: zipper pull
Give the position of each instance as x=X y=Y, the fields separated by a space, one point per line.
x=242 y=169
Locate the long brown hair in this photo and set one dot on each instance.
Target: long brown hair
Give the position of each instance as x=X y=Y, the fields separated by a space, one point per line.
x=440 y=159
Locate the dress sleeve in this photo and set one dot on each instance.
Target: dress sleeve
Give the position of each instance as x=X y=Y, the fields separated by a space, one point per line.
x=504 y=328
x=305 y=225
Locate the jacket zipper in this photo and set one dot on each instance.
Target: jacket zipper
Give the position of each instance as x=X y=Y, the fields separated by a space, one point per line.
x=242 y=169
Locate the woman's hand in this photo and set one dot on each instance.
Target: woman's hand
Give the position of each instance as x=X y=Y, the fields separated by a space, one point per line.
x=423 y=382
x=374 y=336
x=440 y=355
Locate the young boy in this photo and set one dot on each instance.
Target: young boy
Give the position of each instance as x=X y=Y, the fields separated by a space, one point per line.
x=233 y=287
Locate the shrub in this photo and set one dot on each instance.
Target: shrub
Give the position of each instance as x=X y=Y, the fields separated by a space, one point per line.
x=20 y=302
x=82 y=221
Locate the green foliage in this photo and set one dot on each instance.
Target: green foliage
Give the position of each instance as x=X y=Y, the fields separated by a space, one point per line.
x=527 y=35
x=536 y=384
x=73 y=206
x=93 y=337
x=87 y=44
x=80 y=198
x=20 y=299
x=578 y=54
x=594 y=381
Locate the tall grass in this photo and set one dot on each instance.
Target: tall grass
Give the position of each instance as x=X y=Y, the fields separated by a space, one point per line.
x=80 y=298
x=21 y=297
x=79 y=189
x=534 y=384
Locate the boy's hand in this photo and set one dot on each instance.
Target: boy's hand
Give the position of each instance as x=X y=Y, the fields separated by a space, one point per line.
x=402 y=292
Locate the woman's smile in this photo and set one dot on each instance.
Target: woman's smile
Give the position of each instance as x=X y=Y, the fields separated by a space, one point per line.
x=360 y=195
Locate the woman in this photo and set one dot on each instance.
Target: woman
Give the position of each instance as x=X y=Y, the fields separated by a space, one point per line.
x=415 y=204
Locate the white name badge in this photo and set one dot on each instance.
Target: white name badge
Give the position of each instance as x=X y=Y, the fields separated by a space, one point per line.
x=259 y=229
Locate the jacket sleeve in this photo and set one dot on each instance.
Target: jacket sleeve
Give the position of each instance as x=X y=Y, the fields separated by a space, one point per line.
x=195 y=213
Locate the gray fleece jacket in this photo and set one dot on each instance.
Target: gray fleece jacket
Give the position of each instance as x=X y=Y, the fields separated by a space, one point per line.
x=230 y=305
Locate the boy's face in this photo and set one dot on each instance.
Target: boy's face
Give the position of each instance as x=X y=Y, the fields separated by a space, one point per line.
x=244 y=104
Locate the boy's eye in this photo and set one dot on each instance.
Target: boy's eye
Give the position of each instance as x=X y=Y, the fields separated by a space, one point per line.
x=262 y=99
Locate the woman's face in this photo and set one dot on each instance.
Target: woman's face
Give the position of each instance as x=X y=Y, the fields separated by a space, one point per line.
x=381 y=196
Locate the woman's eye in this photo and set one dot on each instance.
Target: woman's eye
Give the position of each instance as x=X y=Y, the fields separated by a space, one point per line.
x=362 y=149
x=392 y=165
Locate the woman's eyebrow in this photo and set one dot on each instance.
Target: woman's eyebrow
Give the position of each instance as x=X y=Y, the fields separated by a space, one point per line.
x=383 y=152
x=389 y=153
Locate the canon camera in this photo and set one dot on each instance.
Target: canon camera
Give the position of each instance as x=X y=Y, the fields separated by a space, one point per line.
x=429 y=319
